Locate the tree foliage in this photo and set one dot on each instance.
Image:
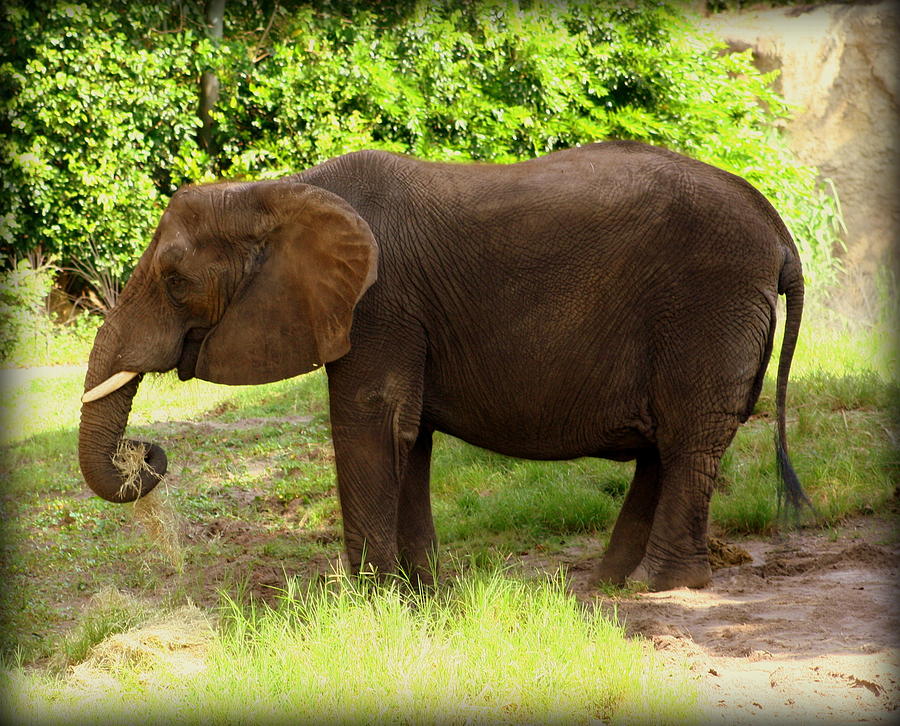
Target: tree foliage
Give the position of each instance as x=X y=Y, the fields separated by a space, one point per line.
x=100 y=125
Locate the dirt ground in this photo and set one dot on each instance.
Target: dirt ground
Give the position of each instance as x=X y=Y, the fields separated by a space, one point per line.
x=807 y=630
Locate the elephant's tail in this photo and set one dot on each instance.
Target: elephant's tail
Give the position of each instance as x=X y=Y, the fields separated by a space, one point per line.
x=790 y=284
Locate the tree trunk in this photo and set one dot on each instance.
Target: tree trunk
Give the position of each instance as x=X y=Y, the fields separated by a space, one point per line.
x=209 y=82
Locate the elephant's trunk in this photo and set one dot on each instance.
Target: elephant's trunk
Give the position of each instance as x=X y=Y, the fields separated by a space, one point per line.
x=100 y=442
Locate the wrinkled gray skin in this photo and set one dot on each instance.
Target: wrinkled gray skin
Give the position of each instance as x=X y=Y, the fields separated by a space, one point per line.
x=615 y=300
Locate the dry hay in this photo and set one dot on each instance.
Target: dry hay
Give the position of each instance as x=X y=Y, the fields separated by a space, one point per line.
x=162 y=523
x=173 y=646
x=154 y=512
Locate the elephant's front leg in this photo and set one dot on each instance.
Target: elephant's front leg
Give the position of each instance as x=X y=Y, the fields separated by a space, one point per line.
x=374 y=431
x=416 y=540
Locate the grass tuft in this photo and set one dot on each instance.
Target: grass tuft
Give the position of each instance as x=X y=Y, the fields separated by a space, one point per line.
x=173 y=645
x=488 y=649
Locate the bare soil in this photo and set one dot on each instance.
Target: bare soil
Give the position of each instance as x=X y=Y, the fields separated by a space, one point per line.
x=807 y=628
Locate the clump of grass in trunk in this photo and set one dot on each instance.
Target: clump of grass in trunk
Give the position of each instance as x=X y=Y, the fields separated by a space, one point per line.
x=129 y=459
x=153 y=511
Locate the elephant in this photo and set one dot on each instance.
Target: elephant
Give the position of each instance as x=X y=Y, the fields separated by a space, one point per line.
x=613 y=300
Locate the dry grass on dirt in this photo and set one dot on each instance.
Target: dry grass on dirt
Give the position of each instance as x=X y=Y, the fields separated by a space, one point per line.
x=806 y=629
x=175 y=645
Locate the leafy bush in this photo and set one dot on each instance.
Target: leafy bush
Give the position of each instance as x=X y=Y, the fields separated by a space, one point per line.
x=23 y=294
x=29 y=335
x=103 y=103
x=100 y=116
x=717 y=6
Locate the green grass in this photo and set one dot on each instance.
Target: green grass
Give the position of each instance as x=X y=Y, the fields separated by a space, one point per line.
x=251 y=478
x=47 y=343
x=841 y=434
x=479 y=493
x=488 y=647
x=841 y=443
x=485 y=649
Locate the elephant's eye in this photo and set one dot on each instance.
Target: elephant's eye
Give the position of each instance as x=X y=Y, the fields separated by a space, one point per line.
x=177 y=285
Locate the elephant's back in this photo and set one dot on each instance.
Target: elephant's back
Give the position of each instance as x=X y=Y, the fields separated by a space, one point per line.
x=590 y=200
x=595 y=291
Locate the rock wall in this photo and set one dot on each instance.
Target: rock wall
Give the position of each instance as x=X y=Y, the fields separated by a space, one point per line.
x=839 y=68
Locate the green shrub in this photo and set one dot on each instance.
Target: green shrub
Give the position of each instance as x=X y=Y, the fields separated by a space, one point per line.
x=23 y=312
x=29 y=334
x=103 y=103
x=99 y=119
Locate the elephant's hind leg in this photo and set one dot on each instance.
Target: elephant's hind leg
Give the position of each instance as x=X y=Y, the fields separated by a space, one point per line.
x=416 y=540
x=628 y=540
x=676 y=553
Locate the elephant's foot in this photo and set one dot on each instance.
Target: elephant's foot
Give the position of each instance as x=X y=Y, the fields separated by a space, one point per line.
x=420 y=578
x=613 y=570
x=668 y=575
x=417 y=562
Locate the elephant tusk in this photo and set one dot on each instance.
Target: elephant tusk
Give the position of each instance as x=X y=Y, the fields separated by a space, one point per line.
x=113 y=383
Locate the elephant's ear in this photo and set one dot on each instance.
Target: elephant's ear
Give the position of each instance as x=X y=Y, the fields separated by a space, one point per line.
x=294 y=310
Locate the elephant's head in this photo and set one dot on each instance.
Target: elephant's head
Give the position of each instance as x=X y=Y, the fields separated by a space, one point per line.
x=243 y=283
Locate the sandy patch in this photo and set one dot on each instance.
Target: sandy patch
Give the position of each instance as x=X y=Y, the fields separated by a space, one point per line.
x=808 y=629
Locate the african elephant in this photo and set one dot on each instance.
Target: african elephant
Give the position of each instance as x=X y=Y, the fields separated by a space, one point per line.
x=616 y=300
